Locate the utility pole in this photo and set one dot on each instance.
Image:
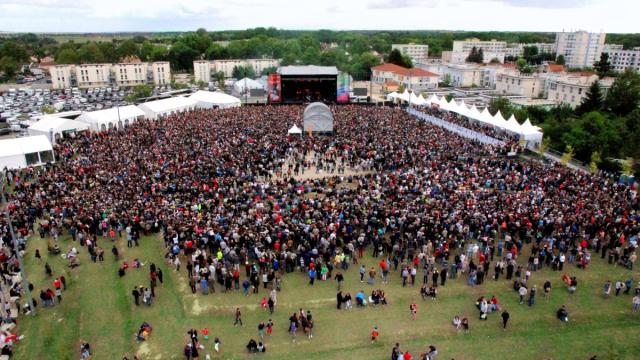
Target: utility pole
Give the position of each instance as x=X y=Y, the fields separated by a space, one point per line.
x=16 y=249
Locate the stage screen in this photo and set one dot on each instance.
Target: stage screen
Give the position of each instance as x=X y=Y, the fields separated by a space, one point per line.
x=308 y=89
x=275 y=88
x=343 y=88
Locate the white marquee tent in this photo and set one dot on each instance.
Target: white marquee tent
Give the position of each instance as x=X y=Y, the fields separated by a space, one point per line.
x=56 y=127
x=244 y=85
x=295 y=130
x=25 y=151
x=116 y=117
x=214 y=99
x=164 y=107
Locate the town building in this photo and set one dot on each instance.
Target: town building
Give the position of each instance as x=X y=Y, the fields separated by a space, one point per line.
x=93 y=75
x=491 y=50
x=61 y=76
x=416 y=79
x=202 y=71
x=418 y=53
x=529 y=86
x=572 y=88
x=621 y=59
x=130 y=74
x=161 y=72
x=580 y=48
x=104 y=75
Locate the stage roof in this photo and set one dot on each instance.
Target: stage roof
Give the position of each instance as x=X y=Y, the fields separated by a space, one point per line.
x=293 y=70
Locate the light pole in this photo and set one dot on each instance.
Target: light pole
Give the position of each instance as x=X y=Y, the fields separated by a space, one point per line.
x=16 y=249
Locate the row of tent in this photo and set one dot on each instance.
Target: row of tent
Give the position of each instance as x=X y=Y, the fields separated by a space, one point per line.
x=526 y=131
x=101 y=120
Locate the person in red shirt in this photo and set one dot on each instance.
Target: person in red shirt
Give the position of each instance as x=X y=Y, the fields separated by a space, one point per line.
x=374 y=334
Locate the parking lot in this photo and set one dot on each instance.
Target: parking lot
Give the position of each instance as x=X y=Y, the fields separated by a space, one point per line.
x=20 y=108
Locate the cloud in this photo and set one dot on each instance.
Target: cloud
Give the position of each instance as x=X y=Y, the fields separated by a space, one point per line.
x=548 y=4
x=402 y=4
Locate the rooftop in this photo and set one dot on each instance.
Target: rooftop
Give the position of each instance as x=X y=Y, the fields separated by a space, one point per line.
x=307 y=70
x=403 y=71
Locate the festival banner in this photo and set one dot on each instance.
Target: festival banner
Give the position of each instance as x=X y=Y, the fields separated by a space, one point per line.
x=275 y=88
x=343 y=87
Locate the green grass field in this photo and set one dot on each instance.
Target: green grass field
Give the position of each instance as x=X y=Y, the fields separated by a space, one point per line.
x=98 y=308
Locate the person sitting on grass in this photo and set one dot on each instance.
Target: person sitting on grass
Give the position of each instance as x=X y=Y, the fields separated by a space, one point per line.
x=252 y=346
x=562 y=314
x=457 y=322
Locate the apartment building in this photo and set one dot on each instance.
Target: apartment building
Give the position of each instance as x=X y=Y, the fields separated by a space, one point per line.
x=130 y=74
x=93 y=75
x=61 y=76
x=104 y=75
x=202 y=71
x=517 y=50
x=491 y=50
x=418 y=53
x=161 y=72
x=529 y=86
x=416 y=79
x=621 y=59
x=580 y=48
x=571 y=89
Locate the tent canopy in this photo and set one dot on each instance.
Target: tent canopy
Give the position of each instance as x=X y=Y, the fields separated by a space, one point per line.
x=295 y=130
x=318 y=118
x=211 y=99
x=246 y=84
x=154 y=109
x=26 y=151
x=56 y=126
x=103 y=119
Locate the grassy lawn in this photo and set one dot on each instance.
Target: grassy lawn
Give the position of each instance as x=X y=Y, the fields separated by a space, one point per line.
x=98 y=308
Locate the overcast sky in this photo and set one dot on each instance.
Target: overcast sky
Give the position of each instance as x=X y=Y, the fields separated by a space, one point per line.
x=612 y=16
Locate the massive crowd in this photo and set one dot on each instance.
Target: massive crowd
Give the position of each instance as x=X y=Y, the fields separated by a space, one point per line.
x=223 y=188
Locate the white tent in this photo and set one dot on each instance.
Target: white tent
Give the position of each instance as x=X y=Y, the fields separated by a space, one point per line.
x=530 y=132
x=164 y=107
x=432 y=100
x=513 y=125
x=55 y=127
x=473 y=113
x=486 y=117
x=405 y=95
x=217 y=99
x=26 y=151
x=413 y=99
x=244 y=85
x=295 y=130
x=421 y=100
x=392 y=96
x=116 y=117
x=318 y=118
x=499 y=121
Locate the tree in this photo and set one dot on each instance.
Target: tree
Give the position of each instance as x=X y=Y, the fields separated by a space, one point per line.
x=8 y=65
x=544 y=146
x=560 y=60
x=396 y=57
x=595 y=161
x=567 y=155
x=127 y=48
x=219 y=76
x=361 y=66
x=181 y=56
x=241 y=72
x=529 y=52
x=90 y=53
x=624 y=95
x=476 y=55
x=67 y=56
x=140 y=91
x=48 y=109
x=593 y=100
x=14 y=50
x=268 y=70
x=521 y=63
x=501 y=104
x=603 y=66
x=446 y=80
x=627 y=166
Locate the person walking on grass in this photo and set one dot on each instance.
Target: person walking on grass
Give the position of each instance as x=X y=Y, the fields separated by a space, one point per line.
x=340 y=279
x=363 y=270
x=374 y=334
x=238 y=317
x=635 y=303
x=547 y=289
x=532 y=295
x=505 y=319
x=136 y=296
x=413 y=309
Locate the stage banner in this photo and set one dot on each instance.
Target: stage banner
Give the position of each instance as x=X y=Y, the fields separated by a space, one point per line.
x=343 y=87
x=275 y=88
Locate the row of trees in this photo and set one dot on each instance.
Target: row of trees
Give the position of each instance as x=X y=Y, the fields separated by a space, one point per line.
x=605 y=127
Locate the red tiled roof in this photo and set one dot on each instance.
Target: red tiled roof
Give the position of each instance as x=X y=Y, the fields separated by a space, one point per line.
x=556 y=68
x=402 y=70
